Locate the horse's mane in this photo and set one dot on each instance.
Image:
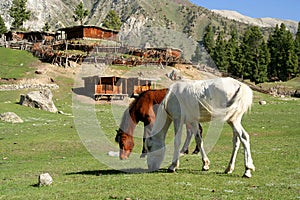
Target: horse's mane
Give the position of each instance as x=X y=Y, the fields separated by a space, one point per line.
x=127 y=120
x=141 y=95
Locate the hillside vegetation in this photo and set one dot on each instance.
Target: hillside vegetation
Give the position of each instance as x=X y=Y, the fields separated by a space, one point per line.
x=15 y=64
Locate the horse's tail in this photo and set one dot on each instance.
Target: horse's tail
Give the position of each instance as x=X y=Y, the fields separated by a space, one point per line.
x=240 y=103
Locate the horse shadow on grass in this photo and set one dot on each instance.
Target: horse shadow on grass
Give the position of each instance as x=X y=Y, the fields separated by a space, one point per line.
x=139 y=171
x=114 y=172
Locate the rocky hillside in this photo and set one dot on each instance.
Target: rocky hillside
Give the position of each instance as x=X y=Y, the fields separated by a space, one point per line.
x=151 y=23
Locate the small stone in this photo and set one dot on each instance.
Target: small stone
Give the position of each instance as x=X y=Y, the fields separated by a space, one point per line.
x=113 y=153
x=45 y=179
x=262 y=102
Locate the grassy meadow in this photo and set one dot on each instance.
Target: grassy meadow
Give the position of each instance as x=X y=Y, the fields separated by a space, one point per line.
x=49 y=142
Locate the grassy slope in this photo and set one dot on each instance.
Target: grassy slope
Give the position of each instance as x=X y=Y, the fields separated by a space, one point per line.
x=15 y=63
x=48 y=142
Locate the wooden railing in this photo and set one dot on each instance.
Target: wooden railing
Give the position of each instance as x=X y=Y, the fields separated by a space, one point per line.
x=107 y=89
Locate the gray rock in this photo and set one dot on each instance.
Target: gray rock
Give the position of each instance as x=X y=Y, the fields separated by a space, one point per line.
x=262 y=102
x=39 y=99
x=10 y=117
x=174 y=75
x=45 y=179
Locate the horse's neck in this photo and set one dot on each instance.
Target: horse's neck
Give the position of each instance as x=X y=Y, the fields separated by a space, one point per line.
x=159 y=96
x=128 y=122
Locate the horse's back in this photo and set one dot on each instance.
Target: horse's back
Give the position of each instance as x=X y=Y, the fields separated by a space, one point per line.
x=204 y=98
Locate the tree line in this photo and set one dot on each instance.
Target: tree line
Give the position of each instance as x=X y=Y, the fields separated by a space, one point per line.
x=251 y=56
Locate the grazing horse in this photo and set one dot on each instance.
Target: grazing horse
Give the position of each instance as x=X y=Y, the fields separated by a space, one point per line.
x=224 y=99
x=143 y=109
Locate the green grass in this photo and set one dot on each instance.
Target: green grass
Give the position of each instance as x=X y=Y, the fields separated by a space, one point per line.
x=15 y=63
x=49 y=142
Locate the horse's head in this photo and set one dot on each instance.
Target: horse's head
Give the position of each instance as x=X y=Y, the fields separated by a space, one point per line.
x=126 y=144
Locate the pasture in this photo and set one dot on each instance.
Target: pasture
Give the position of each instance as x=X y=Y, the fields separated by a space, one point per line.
x=48 y=142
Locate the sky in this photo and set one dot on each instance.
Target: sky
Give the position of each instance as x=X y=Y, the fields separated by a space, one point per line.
x=282 y=9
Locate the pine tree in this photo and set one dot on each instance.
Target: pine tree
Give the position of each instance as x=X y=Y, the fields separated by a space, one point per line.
x=220 y=54
x=112 y=21
x=291 y=59
x=255 y=55
x=3 y=28
x=260 y=71
x=19 y=13
x=297 y=46
x=208 y=40
x=80 y=13
x=284 y=59
x=234 y=55
x=274 y=44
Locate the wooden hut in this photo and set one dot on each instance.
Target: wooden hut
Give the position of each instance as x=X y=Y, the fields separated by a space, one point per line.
x=114 y=87
x=88 y=32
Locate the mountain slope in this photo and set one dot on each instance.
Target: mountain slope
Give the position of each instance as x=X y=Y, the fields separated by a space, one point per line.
x=261 y=22
x=164 y=23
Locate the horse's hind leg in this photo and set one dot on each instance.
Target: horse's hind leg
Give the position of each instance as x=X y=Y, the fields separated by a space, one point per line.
x=245 y=140
x=199 y=141
x=197 y=150
x=189 y=134
x=235 y=144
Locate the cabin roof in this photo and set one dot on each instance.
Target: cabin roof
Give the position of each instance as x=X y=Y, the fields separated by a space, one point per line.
x=88 y=26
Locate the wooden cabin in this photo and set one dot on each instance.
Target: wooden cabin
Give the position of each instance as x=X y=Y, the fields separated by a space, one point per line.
x=109 y=87
x=114 y=87
x=87 y=32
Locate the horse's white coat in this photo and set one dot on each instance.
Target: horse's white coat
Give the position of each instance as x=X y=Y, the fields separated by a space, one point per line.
x=225 y=99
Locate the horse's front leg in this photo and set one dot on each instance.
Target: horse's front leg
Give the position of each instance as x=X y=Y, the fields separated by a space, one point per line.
x=199 y=141
x=178 y=132
x=147 y=130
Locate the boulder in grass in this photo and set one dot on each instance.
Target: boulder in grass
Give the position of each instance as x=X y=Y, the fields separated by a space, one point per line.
x=39 y=99
x=45 y=179
x=10 y=117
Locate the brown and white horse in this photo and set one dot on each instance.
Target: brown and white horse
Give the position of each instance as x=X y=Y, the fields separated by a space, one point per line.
x=143 y=109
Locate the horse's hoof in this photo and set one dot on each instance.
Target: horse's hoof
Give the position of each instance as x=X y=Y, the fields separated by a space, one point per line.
x=171 y=170
x=143 y=155
x=229 y=170
x=205 y=169
x=247 y=174
x=195 y=152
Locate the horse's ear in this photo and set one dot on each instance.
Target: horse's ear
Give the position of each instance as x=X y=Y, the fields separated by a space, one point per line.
x=117 y=138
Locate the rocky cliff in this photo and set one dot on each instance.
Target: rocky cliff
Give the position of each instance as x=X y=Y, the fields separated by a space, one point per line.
x=164 y=23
